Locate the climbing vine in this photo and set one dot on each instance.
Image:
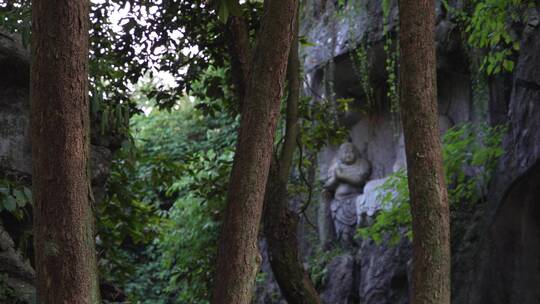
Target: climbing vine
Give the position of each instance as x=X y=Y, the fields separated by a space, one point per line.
x=360 y=60
x=391 y=49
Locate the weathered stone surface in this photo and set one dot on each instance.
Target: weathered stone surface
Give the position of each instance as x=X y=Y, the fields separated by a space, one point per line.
x=14 y=60
x=383 y=271
x=369 y=203
x=14 y=105
x=341 y=285
x=14 y=133
x=499 y=262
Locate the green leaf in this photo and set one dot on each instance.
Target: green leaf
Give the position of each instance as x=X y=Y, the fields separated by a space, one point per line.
x=20 y=197
x=304 y=42
x=490 y=68
x=508 y=65
x=10 y=203
x=223 y=12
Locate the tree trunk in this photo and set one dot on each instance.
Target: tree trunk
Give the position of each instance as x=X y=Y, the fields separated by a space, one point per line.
x=280 y=222
x=63 y=218
x=239 y=51
x=238 y=255
x=281 y=225
x=429 y=200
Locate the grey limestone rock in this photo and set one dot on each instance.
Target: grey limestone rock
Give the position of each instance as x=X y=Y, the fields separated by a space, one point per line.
x=383 y=271
x=341 y=286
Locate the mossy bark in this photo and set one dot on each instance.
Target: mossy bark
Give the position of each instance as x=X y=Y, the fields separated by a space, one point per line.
x=238 y=253
x=429 y=199
x=65 y=256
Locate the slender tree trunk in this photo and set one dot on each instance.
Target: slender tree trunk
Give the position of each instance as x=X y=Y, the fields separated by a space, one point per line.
x=238 y=254
x=281 y=225
x=280 y=222
x=63 y=218
x=429 y=200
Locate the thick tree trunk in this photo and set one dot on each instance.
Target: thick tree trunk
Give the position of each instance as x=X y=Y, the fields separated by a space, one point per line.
x=429 y=200
x=238 y=254
x=280 y=222
x=63 y=218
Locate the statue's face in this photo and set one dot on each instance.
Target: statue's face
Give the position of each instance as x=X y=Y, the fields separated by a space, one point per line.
x=347 y=153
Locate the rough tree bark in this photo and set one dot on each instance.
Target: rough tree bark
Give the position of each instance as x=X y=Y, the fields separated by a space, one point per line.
x=280 y=222
x=429 y=199
x=240 y=54
x=238 y=255
x=63 y=218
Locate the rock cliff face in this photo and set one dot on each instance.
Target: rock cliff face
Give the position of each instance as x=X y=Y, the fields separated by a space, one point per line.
x=495 y=244
x=498 y=259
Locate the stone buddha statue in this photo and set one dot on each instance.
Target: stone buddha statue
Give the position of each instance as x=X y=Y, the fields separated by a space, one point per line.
x=345 y=179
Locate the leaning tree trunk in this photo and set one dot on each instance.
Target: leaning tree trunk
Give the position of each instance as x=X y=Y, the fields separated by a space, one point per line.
x=280 y=222
x=429 y=199
x=238 y=254
x=63 y=218
x=281 y=225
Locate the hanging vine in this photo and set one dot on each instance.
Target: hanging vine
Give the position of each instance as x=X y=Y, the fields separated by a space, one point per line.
x=391 y=49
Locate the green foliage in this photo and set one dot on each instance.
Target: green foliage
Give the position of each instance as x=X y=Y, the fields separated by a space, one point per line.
x=189 y=242
x=470 y=154
x=158 y=228
x=211 y=86
x=395 y=214
x=489 y=28
x=361 y=66
x=228 y=7
x=14 y=197
x=391 y=66
x=471 y=148
x=319 y=124
x=189 y=249
x=15 y=18
x=7 y=294
x=318 y=262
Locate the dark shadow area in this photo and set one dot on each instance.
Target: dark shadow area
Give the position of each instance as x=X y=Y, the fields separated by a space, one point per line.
x=514 y=274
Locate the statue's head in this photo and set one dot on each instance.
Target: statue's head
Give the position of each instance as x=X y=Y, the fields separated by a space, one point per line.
x=347 y=153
